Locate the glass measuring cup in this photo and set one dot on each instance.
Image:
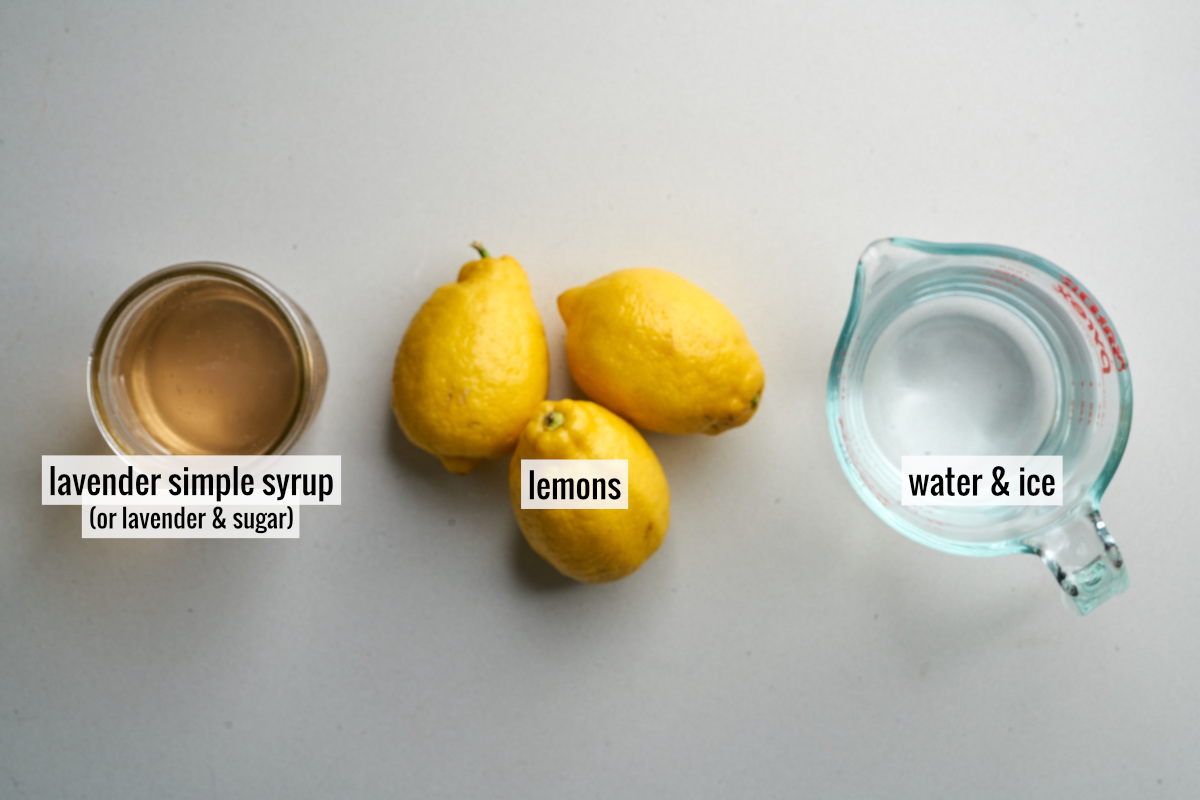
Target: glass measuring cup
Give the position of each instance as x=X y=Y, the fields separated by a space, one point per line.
x=962 y=349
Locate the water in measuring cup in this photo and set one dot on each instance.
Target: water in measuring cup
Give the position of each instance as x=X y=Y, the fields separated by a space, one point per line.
x=959 y=375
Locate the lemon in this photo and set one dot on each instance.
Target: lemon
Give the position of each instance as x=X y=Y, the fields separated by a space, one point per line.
x=473 y=365
x=661 y=352
x=590 y=544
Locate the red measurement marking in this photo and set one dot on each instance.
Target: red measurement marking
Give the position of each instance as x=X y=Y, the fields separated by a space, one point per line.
x=1007 y=277
x=1082 y=304
x=851 y=454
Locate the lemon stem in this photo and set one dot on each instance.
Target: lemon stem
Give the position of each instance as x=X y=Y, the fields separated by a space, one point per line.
x=483 y=253
x=553 y=420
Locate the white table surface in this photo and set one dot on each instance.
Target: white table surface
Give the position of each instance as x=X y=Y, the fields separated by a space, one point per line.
x=784 y=642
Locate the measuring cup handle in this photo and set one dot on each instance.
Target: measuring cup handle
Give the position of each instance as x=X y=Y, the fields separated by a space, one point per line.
x=1084 y=560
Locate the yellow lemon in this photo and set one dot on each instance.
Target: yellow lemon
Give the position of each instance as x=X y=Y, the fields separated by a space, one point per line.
x=661 y=352
x=591 y=544
x=473 y=365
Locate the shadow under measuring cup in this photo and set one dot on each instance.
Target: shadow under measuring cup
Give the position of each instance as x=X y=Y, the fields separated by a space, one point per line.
x=981 y=350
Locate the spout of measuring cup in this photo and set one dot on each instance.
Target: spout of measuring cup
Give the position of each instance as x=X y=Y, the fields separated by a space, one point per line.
x=880 y=259
x=884 y=256
x=1084 y=560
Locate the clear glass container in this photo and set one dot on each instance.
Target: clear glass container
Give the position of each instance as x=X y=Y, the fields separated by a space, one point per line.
x=978 y=350
x=205 y=359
